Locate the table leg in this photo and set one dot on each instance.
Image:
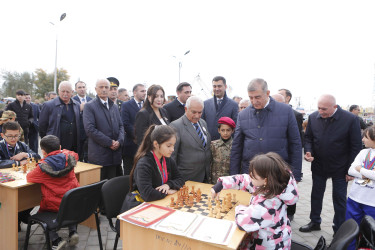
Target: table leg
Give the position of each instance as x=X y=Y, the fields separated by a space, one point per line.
x=9 y=218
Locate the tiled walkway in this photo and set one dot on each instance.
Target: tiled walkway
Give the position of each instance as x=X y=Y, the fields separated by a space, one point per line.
x=89 y=239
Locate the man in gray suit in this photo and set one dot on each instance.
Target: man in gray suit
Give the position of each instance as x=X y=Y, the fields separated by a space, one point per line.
x=192 y=149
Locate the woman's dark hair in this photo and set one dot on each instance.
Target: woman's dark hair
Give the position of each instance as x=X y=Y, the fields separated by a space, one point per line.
x=151 y=91
x=369 y=133
x=50 y=143
x=275 y=169
x=158 y=133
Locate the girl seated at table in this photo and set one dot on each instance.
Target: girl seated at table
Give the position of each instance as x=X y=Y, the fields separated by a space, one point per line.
x=273 y=187
x=154 y=174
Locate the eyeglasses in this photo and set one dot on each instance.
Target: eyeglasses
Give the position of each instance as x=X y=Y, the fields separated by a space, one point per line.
x=12 y=137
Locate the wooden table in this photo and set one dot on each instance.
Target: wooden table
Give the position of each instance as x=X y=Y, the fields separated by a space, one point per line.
x=136 y=237
x=19 y=195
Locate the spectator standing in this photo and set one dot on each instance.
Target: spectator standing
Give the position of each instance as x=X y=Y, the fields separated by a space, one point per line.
x=176 y=108
x=123 y=95
x=23 y=111
x=34 y=127
x=192 y=149
x=332 y=141
x=103 y=126
x=354 y=109
x=61 y=117
x=151 y=113
x=82 y=99
x=265 y=126
x=113 y=91
x=218 y=106
x=243 y=104
x=129 y=111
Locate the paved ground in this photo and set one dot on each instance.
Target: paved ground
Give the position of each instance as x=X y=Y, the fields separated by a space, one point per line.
x=89 y=238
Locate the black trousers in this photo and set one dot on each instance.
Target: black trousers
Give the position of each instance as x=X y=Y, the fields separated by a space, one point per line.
x=108 y=172
x=128 y=162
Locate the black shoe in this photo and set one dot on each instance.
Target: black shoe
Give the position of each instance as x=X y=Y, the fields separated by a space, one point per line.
x=291 y=217
x=310 y=227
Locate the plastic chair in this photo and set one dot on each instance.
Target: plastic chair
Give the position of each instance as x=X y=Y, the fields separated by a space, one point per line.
x=77 y=205
x=366 y=237
x=346 y=233
x=299 y=246
x=113 y=195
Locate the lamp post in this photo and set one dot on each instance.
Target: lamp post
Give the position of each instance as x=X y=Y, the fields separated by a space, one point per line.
x=55 y=73
x=180 y=66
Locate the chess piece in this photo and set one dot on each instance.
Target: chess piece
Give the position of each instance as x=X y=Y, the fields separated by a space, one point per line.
x=218 y=215
x=192 y=189
x=210 y=213
x=14 y=167
x=172 y=202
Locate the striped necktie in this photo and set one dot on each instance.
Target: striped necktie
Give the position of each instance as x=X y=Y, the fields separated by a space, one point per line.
x=200 y=134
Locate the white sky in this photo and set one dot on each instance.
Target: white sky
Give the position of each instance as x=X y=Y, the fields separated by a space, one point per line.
x=309 y=47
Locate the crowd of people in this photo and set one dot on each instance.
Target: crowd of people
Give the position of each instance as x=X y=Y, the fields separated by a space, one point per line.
x=254 y=145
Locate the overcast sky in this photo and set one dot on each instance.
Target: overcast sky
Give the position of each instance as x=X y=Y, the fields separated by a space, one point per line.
x=309 y=47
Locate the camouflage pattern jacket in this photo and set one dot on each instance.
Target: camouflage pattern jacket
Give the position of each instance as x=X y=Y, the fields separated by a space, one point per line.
x=220 y=162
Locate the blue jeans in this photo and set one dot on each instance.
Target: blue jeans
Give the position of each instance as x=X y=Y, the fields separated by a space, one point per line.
x=339 y=187
x=357 y=211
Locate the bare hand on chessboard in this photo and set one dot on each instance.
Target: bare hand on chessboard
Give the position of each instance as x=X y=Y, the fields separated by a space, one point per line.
x=19 y=156
x=165 y=189
x=214 y=194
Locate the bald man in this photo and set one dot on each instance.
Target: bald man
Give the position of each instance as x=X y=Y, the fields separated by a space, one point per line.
x=278 y=98
x=61 y=117
x=105 y=131
x=332 y=141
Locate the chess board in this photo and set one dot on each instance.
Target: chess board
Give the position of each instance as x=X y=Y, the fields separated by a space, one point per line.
x=201 y=207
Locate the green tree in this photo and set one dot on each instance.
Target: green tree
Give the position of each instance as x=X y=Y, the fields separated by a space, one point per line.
x=44 y=81
x=15 y=80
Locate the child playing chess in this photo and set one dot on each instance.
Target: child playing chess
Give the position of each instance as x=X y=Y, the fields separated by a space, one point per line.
x=154 y=173
x=55 y=173
x=361 y=200
x=273 y=187
x=220 y=149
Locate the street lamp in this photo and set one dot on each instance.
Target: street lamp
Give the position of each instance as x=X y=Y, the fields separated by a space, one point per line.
x=55 y=74
x=180 y=66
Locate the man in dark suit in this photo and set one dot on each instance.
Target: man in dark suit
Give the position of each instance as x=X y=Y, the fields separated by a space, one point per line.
x=218 y=106
x=61 y=117
x=354 y=109
x=23 y=111
x=332 y=141
x=192 y=149
x=299 y=118
x=34 y=127
x=176 y=109
x=103 y=126
x=129 y=110
x=113 y=92
x=82 y=98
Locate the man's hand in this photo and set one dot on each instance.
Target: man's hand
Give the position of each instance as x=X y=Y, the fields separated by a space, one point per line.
x=115 y=145
x=308 y=157
x=19 y=156
x=349 y=178
x=82 y=106
x=23 y=162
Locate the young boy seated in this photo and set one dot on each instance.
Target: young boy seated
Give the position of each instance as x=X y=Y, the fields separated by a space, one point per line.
x=55 y=173
x=12 y=151
x=10 y=116
x=220 y=149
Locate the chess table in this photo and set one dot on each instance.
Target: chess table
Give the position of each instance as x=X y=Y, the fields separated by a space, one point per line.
x=137 y=237
x=19 y=195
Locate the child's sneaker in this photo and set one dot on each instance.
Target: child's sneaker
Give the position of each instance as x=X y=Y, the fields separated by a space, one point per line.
x=58 y=244
x=73 y=238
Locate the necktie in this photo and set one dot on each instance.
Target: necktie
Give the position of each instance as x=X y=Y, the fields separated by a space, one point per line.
x=83 y=100
x=200 y=134
x=105 y=105
x=219 y=102
x=140 y=105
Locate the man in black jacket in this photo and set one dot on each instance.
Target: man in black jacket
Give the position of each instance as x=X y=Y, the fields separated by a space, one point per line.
x=332 y=141
x=23 y=111
x=176 y=109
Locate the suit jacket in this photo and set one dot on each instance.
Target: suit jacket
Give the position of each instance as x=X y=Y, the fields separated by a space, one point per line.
x=299 y=119
x=129 y=110
x=102 y=126
x=212 y=113
x=78 y=99
x=192 y=159
x=144 y=119
x=35 y=125
x=175 y=109
x=24 y=114
x=333 y=142
x=50 y=116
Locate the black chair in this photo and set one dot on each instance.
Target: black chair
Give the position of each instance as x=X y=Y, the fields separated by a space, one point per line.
x=76 y=206
x=299 y=246
x=366 y=237
x=113 y=195
x=346 y=233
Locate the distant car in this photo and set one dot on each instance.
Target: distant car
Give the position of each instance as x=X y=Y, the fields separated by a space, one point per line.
x=9 y=99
